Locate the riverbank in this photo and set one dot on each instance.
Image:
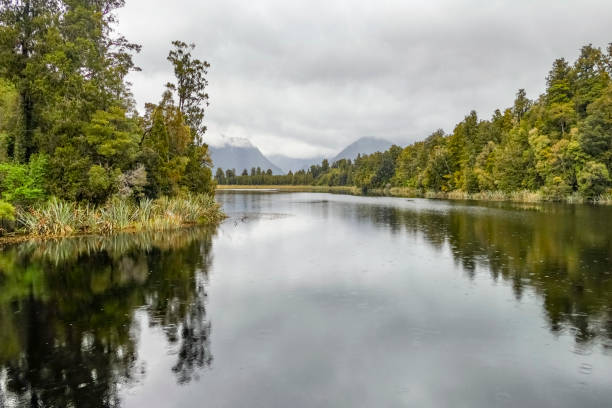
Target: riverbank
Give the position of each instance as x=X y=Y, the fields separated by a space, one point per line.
x=308 y=189
x=523 y=196
x=56 y=218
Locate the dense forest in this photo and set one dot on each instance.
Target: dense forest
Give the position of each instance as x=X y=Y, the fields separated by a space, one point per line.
x=557 y=145
x=68 y=124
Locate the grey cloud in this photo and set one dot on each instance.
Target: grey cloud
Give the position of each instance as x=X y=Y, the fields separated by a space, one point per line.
x=307 y=78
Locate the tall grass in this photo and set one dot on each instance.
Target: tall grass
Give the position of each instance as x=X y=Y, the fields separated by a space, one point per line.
x=605 y=198
x=55 y=217
x=522 y=196
x=59 y=218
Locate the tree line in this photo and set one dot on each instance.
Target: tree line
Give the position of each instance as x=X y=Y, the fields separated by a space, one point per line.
x=557 y=144
x=68 y=123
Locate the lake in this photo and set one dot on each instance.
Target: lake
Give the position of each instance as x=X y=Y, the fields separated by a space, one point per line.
x=318 y=300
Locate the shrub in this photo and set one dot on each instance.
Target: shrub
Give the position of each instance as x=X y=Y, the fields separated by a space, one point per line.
x=556 y=189
x=24 y=184
x=7 y=211
x=101 y=182
x=7 y=217
x=593 y=179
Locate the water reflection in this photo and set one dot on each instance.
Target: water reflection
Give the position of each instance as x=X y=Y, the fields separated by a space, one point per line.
x=562 y=252
x=345 y=301
x=68 y=332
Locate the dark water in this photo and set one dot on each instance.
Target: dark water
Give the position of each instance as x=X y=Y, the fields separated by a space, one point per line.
x=316 y=300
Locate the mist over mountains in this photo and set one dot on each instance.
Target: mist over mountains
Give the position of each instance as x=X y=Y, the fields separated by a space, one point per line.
x=240 y=154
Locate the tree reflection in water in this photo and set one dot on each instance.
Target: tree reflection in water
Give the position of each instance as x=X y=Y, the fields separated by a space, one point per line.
x=68 y=330
x=562 y=252
x=68 y=309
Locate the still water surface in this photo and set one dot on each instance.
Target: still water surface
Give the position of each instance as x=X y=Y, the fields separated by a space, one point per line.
x=318 y=300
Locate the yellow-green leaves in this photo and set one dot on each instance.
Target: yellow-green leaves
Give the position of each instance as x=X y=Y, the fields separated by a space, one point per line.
x=7 y=211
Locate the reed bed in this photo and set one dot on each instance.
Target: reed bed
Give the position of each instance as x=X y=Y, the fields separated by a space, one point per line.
x=523 y=196
x=60 y=218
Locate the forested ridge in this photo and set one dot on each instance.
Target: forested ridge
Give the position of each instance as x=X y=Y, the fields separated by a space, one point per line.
x=68 y=124
x=558 y=145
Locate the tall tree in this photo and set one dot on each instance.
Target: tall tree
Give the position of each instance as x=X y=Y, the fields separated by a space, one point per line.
x=24 y=26
x=558 y=85
x=190 y=85
x=590 y=77
x=521 y=104
x=66 y=62
x=177 y=159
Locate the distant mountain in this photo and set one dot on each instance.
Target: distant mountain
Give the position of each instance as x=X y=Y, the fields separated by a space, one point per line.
x=240 y=154
x=365 y=145
x=290 y=163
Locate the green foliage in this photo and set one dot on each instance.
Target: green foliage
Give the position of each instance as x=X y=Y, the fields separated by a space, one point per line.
x=111 y=138
x=99 y=182
x=593 y=179
x=63 y=95
x=190 y=85
x=58 y=217
x=7 y=211
x=24 y=183
x=175 y=162
x=522 y=104
x=11 y=125
x=55 y=217
x=69 y=65
x=590 y=78
x=596 y=129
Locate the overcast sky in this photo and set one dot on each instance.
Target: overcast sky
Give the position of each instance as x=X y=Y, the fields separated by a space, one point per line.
x=306 y=78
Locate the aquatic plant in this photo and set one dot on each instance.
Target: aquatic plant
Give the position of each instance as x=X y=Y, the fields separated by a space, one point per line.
x=58 y=218
x=55 y=217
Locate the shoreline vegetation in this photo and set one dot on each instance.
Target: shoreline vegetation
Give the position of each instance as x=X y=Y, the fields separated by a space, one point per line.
x=76 y=157
x=524 y=196
x=297 y=188
x=58 y=218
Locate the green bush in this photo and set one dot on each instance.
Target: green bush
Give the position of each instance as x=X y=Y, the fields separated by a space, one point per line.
x=24 y=184
x=593 y=179
x=7 y=211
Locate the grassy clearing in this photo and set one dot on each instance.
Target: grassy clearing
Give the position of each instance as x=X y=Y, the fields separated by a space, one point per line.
x=61 y=218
